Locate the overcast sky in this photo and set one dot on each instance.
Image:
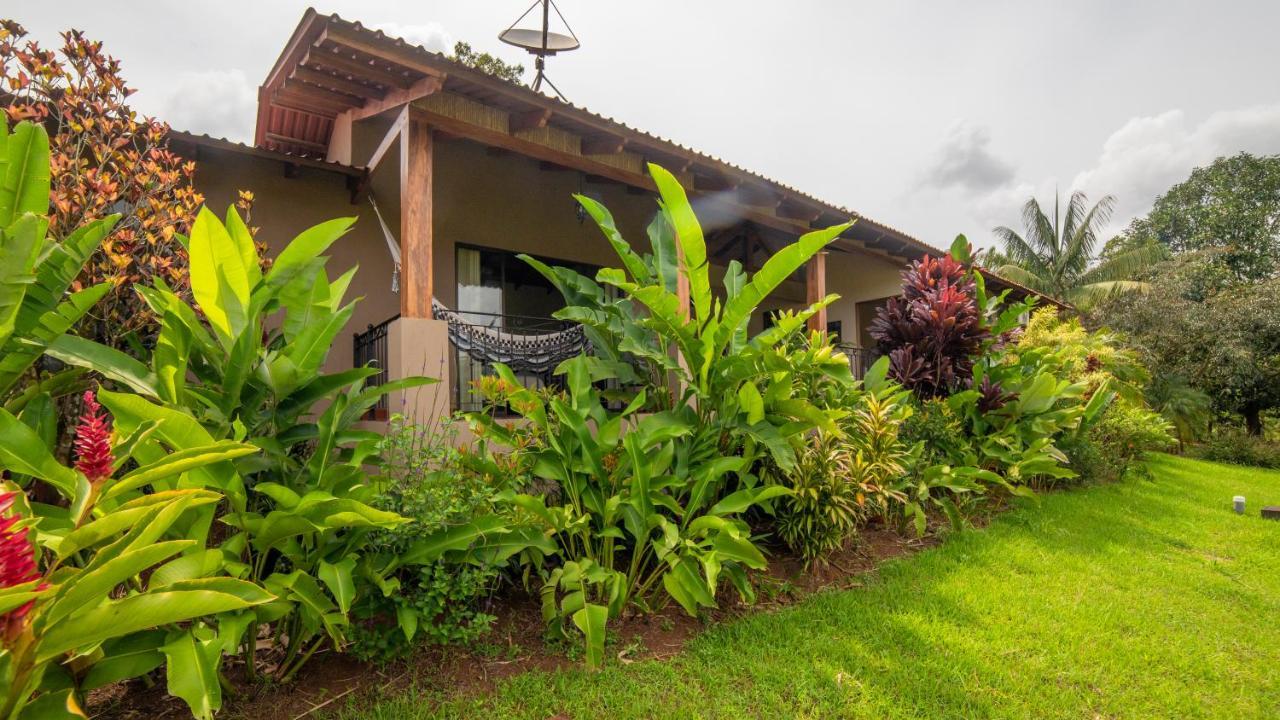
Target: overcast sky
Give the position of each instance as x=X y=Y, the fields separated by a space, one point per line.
x=936 y=118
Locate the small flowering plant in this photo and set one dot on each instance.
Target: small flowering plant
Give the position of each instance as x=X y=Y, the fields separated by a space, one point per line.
x=109 y=570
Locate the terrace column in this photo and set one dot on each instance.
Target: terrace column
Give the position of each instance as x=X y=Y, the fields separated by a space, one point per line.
x=816 y=289
x=417 y=343
x=416 y=289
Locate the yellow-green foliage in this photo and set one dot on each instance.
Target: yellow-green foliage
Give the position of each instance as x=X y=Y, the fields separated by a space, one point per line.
x=1089 y=357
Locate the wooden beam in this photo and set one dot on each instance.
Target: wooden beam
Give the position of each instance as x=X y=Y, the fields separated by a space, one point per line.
x=394 y=55
x=286 y=140
x=528 y=120
x=416 y=264
x=291 y=98
x=395 y=98
x=758 y=196
x=714 y=183
x=816 y=289
x=602 y=145
x=335 y=60
x=797 y=211
x=306 y=89
x=336 y=82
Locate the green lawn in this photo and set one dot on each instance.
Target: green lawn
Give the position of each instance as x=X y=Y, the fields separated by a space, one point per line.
x=1147 y=599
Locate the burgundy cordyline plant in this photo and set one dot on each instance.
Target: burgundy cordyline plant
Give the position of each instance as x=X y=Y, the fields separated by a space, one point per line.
x=935 y=331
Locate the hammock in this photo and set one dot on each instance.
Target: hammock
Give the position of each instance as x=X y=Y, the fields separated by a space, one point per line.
x=525 y=354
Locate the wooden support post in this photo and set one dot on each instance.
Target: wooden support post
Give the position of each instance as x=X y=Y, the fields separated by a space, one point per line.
x=416 y=288
x=816 y=287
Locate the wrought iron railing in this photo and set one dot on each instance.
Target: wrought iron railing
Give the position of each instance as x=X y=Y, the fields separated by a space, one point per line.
x=860 y=359
x=370 y=348
x=469 y=369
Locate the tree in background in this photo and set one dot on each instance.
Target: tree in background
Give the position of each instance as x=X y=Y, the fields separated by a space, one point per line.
x=106 y=159
x=1219 y=338
x=1232 y=205
x=486 y=63
x=1055 y=255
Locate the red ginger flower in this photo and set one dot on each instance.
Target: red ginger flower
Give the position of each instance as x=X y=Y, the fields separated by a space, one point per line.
x=17 y=563
x=93 y=441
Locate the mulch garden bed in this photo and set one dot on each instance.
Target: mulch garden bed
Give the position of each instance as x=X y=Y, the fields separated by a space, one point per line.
x=515 y=645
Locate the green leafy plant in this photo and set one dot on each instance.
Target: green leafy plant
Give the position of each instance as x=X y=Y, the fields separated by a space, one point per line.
x=243 y=362
x=109 y=587
x=658 y=503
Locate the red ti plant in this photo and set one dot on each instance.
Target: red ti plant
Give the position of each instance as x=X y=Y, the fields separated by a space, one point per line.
x=935 y=332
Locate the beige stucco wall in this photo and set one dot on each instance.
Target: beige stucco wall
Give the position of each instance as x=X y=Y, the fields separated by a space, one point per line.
x=856 y=277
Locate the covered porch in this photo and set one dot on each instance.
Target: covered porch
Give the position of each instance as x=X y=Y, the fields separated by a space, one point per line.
x=467 y=171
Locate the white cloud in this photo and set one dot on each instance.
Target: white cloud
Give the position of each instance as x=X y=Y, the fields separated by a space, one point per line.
x=221 y=103
x=431 y=36
x=965 y=161
x=1148 y=155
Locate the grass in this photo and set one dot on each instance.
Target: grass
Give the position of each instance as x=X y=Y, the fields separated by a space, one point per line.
x=1145 y=599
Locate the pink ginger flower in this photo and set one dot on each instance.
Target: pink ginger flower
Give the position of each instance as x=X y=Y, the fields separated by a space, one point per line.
x=93 y=441
x=17 y=563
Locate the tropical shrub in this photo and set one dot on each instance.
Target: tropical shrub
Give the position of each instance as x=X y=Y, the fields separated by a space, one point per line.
x=37 y=275
x=660 y=503
x=424 y=478
x=840 y=480
x=935 y=332
x=243 y=362
x=106 y=160
x=105 y=585
x=1235 y=445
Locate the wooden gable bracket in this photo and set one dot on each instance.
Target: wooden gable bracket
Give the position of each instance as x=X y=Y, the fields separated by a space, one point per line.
x=394 y=133
x=602 y=145
x=418 y=90
x=529 y=120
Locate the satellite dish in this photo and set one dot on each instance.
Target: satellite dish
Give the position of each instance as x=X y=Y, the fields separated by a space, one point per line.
x=532 y=40
x=541 y=42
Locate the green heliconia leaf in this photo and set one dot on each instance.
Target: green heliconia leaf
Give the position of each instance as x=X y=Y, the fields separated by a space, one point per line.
x=91 y=586
x=192 y=673
x=686 y=586
x=179 y=462
x=188 y=567
x=125 y=658
x=304 y=248
x=407 y=619
x=461 y=537
x=960 y=249
x=591 y=620
x=737 y=548
x=22 y=451
x=25 y=180
x=741 y=500
x=679 y=212
x=219 y=278
x=338 y=578
x=176 y=603
x=58 y=705
x=107 y=361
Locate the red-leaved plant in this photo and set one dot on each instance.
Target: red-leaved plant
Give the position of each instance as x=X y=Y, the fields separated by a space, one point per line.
x=935 y=332
x=17 y=564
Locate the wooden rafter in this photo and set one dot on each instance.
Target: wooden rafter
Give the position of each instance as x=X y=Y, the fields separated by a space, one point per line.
x=335 y=59
x=796 y=211
x=714 y=183
x=307 y=89
x=756 y=195
x=336 y=82
x=602 y=145
x=528 y=120
x=358 y=42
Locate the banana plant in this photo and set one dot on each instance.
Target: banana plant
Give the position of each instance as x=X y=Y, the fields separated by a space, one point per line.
x=109 y=586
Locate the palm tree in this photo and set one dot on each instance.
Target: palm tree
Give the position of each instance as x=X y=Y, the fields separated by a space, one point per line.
x=1056 y=255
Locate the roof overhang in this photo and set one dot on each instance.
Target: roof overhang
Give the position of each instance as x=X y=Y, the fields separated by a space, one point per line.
x=333 y=71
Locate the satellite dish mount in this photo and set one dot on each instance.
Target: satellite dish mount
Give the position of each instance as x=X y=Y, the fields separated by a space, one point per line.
x=541 y=43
